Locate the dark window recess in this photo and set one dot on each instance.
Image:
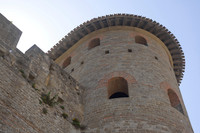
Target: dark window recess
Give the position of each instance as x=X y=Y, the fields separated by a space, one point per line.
x=156 y=58
x=107 y=52
x=66 y=62
x=118 y=95
x=82 y=62
x=129 y=50
x=31 y=77
x=141 y=40
x=117 y=88
x=174 y=100
x=93 y=43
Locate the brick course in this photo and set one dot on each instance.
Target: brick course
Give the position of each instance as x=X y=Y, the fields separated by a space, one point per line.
x=82 y=85
x=148 y=108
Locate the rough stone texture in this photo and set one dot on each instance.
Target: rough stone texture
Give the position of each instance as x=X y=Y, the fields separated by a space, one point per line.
x=9 y=33
x=147 y=109
x=125 y=20
x=80 y=90
x=23 y=79
x=20 y=92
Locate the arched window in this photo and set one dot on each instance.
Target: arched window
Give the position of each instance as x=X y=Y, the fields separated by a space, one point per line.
x=93 y=43
x=66 y=62
x=141 y=40
x=117 y=88
x=174 y=100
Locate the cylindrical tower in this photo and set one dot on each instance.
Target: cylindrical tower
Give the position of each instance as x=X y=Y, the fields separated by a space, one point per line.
x=131 y=68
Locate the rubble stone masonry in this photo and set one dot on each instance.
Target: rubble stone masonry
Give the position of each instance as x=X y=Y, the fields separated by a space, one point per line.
x=23 y=80
x=116 y=79
x=149 y=74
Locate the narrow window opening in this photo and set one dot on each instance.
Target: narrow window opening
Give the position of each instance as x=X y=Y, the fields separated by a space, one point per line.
x=141 y=40
x=107 y=52
x=174 y=100
x=93 y=43
x=118 y=95
x=82 y=62
x=129 y=50
x=66 y=62
x=156 y=58
x=31 y=77
x=117 y=88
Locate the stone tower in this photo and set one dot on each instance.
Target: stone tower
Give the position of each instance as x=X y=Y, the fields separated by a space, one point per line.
x=131 y=68
x=112 y=74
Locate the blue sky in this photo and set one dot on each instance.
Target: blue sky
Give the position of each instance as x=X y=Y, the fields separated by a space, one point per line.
x=45 y=22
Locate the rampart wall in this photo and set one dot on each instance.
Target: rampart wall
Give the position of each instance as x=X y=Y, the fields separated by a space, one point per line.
x=25 y=82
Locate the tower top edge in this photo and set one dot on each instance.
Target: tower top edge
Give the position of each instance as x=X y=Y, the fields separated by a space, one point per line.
x=131 y=20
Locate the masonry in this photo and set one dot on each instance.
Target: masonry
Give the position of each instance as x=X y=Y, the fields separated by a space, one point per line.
x=117 y=73
x=23 y=80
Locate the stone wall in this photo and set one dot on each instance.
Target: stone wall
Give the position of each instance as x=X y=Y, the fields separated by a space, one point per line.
x=38 y=96
x=9 y=33
x=149 y=74
x=24 y=79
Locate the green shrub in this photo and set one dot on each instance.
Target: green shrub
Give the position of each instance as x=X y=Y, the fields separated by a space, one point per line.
x=62 y=107
x=22 y=72
x=64 y=115
x=34 y=86
x=48 y=100
x=40 y=102
x=76 y=123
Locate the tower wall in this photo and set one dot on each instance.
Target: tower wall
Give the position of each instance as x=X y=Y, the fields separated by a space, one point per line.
x=148 y=71
x=9 y=33
x=24 y=80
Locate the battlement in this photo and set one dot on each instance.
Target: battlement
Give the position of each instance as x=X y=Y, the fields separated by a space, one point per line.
x=160 y=31
x=116 y=73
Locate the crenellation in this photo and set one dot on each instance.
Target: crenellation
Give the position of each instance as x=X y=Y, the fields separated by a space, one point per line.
x=125 y=81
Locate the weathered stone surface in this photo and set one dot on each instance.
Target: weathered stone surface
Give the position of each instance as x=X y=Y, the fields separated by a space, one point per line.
x=149 y=74
x=38 y=96
x=9 y=33
x=20 y=96
x=125 y=20
x=23 y=80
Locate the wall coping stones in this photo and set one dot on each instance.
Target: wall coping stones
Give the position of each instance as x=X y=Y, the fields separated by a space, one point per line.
x=131 y=20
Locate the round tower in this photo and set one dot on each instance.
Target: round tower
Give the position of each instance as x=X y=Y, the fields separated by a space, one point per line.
x=130 y=68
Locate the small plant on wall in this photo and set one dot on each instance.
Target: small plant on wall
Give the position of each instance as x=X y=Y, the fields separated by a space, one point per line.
x=23 y=73
x=76 y=123
x=62 y=107
x=64 y=115
x=34 y=86
x=48 y=100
